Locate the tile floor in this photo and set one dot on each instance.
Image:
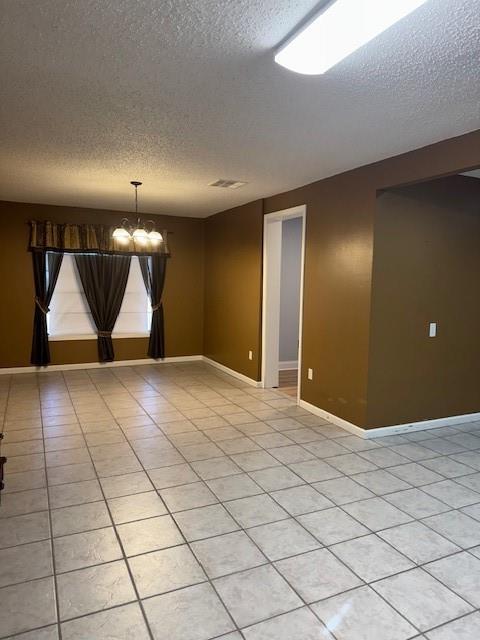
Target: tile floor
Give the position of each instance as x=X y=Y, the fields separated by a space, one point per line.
x=172 y=502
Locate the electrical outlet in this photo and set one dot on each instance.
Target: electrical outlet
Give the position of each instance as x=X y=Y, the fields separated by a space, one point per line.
x=250 y=355
x=310 y=374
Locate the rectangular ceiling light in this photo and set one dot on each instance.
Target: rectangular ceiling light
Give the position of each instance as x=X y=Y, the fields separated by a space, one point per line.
x=342 y=28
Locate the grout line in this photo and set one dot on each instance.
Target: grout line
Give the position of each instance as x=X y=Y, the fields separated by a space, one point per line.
x=50 y=524
x=119 y=542
x=209 y=581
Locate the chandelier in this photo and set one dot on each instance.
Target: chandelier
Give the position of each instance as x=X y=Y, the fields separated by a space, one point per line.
x=142 y=232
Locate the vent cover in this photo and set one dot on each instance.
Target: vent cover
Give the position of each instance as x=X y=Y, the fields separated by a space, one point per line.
x=227 y=184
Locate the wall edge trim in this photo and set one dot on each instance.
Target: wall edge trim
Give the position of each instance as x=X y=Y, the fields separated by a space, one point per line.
x=378 y=432
x=232 y=372
x=98 y=365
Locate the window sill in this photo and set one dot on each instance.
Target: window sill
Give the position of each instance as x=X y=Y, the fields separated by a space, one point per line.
x=93 y=336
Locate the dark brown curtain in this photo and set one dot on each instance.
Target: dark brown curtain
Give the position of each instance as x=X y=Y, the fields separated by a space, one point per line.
x=104 y=279
x=153 y=272
x=46 y=267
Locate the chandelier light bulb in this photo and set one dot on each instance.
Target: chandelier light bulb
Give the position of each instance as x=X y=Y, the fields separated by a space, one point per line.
x=155 y=237
x=140 y=236
x=121 y=234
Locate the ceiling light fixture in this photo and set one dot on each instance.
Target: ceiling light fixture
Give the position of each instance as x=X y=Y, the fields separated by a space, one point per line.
x=127 y=231
x=340 y=29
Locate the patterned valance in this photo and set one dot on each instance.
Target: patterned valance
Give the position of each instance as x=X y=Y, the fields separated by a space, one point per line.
x=88 y=238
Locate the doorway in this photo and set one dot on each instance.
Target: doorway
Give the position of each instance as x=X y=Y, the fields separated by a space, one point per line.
x=283 y=269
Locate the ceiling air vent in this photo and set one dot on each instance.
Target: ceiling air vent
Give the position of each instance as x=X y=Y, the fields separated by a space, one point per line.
x=227 y=184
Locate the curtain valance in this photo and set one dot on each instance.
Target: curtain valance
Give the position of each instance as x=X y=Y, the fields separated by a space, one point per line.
x=88 y=238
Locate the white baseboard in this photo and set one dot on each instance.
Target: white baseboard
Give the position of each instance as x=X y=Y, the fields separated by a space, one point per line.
x=422 y=425
x=287 y=365
x=232 y=372
x=330 y=417
x=99 y=365
x=393 y=429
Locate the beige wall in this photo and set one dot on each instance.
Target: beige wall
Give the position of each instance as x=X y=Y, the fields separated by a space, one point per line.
x=183 y=298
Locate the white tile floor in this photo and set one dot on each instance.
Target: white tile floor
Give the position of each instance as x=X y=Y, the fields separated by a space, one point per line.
x=169 y=502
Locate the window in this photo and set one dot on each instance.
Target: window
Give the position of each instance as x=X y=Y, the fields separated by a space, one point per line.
x=70 y=317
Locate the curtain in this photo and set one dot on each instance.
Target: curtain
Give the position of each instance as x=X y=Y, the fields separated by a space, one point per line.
x=88 y=238
x=153 y=272
x=46 y=267
x=104 y=279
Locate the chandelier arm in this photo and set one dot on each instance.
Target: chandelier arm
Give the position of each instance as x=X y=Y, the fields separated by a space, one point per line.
x=141 y=225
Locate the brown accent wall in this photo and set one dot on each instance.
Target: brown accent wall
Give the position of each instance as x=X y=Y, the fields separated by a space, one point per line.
x=337 y=279
x=183 y=299
x=426 y=269
x=233 y=287
x=338 y=273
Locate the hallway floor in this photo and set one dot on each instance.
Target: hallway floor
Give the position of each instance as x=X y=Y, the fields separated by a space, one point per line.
x=176 y=503
x=288 y=382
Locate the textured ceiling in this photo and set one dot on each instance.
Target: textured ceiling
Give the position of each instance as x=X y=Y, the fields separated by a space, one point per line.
x=178 y=93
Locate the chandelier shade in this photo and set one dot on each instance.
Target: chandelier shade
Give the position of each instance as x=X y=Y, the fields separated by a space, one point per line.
x=155 y=237
x=140 y=235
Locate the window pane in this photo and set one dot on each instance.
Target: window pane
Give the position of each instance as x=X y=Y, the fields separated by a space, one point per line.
x=69 y=312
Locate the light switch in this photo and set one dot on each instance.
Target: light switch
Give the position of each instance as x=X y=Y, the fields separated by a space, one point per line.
x=432 y=330
x=310 y=374
x=250 y=355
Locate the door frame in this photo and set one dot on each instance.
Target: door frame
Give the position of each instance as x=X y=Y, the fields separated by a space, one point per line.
x=272 y=260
